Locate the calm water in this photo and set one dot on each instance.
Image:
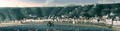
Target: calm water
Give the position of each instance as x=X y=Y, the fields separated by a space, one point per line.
x=44 y=27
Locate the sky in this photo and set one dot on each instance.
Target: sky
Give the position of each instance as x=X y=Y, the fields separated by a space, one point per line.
x=41 y=3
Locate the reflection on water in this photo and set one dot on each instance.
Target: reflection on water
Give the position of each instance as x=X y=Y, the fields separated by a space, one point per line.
x=44 y=27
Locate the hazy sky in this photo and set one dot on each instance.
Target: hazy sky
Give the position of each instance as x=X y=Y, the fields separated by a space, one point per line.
x=40 y=3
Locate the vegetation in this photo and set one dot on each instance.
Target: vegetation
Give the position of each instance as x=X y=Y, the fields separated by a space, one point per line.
x=18 y=13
